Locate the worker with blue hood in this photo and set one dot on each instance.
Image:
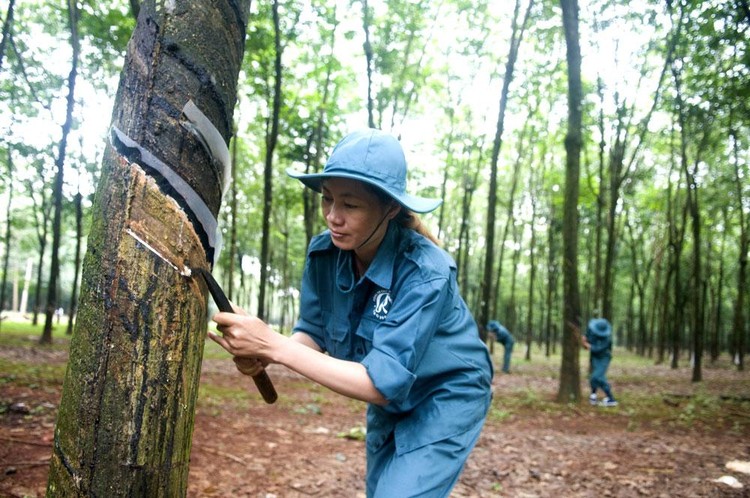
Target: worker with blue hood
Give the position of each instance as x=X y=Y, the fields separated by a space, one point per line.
x=504 y=337
x=598 y=340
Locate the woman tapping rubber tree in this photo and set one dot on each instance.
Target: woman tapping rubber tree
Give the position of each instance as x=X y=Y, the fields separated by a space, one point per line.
x=381 y=299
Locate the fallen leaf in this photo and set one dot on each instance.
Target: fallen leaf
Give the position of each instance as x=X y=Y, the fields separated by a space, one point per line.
x=730 y=481
x=739 y=466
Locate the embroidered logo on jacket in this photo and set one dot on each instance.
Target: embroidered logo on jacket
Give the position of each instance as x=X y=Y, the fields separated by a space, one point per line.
x=382 y=299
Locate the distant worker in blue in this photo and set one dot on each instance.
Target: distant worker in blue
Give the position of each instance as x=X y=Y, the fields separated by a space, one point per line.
x=598 y=340
x=382 y=321
x=504 y=337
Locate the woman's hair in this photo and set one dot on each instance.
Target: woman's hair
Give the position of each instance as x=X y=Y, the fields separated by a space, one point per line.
x=405 y=218
x=409 y=219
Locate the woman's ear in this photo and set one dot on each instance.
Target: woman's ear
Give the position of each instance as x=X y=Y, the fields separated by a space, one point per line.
x=393 y=210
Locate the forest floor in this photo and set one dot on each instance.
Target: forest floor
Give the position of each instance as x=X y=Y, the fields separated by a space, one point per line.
x=669 y=437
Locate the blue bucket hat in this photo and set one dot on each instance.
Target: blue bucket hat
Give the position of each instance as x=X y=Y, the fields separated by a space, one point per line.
x=373 y=157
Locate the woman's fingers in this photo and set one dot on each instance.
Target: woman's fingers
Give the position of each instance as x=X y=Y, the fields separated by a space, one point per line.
x=218 y=339
x=242 y=335
x=238 y=310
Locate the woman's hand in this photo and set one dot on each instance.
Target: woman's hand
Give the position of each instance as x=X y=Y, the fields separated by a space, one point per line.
x=250 y=340
x=585 y=342
x=254 y=344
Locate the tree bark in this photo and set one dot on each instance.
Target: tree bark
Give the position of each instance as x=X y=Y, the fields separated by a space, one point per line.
x=125 y=420
x=570 y=375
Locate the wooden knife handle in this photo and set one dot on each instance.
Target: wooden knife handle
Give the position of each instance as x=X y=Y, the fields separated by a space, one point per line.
x=262 y=380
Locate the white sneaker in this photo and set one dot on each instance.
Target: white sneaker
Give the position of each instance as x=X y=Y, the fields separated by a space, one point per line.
x=593 y=399
x=608 y=402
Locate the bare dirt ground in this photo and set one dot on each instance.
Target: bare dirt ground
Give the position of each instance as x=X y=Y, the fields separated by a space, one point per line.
x=306 y=445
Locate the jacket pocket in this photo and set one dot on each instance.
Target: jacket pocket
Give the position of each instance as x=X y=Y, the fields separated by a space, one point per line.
x=338 y=340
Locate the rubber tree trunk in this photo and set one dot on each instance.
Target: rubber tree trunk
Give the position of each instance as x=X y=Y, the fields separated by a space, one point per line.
x=57 y=191
x=487 y=291
x=570 y=384
x=126 y=417
x=77 y=204
x=8 y=229
x=272 y=136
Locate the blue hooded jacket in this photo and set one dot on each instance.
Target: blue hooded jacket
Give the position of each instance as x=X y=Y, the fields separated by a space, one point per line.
x=504 y=336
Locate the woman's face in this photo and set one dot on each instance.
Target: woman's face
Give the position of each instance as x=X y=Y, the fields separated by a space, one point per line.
x=355 y=215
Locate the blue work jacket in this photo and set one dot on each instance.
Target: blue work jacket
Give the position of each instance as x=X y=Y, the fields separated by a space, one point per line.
x=502 y=334
x=406 y=322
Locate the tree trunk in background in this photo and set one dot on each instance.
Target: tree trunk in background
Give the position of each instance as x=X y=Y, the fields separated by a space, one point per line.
x=642 y=264
x=77 y=201
x=469 y=181
x=57 y=194
x=126 y=417
x=368 y=61
x=616 y=178
x=486 y=284
x=532 y=273
x=511 y=313
x=600 y=204
x=740 y=304
x=570 y=375
x=310 y=198
x=7 y=25
x=6 y=240
x=552 y=275
x=692 y=207
x=677 y=321
x=496 y=303
x=41 y=226
x=234 y=256
x=449 y=161
x=718 y=316
x=655 y=333
x=272 y=135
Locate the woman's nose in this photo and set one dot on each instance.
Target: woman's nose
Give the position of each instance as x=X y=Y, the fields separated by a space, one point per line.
x=332 y=215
